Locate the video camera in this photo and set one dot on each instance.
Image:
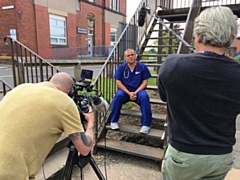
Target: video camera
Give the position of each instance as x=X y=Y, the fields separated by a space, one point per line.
x=82 y=98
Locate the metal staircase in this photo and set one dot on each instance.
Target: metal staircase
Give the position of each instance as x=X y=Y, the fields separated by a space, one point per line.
x=150 y=146
x=132 y=142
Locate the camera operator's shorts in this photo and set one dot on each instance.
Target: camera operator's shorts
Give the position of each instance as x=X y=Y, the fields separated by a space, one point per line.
x=178 y=165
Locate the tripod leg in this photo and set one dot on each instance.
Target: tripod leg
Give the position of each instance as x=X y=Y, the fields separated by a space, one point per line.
x=73 y=154
x=96 y=169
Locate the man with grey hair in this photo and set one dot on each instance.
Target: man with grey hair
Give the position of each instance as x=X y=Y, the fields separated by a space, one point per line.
x=32 y=118
x=202 y=91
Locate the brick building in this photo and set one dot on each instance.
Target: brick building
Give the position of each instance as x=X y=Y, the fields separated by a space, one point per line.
x=45 y=26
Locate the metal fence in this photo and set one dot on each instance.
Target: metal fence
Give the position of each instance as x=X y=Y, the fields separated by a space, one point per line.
x=4 y=88
x=80 y=52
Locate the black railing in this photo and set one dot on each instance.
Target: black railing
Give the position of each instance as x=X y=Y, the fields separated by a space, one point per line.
x=27 y=66
x=4 y=88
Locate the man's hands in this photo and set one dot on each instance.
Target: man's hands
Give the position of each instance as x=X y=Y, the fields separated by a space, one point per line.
x=133 y=96
x=90 y=115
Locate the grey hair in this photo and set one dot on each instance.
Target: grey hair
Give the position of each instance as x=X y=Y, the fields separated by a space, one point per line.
x=216 y=26
x=129 y=50
x=62 y=79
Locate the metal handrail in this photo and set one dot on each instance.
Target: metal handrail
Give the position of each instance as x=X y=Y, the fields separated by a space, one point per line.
x=5 y=87
x=27 y=66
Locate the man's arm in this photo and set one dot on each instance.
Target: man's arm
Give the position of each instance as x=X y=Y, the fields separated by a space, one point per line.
x=142 y=86
x=84 y=141
x=122 y=87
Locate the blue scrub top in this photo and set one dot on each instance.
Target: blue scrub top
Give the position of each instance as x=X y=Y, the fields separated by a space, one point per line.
x=132 y=80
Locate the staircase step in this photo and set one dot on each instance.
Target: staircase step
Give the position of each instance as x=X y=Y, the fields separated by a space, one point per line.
x=59 y=145
x=153 y=55
x=173 y=15
x=156 y=46
x=154 y=75
x=56 y=159
x=155 y=116
x=164 y=37
x=132 y=149
x=157 y=101
x=154 y=133
x=152 y=64
x=149 y=87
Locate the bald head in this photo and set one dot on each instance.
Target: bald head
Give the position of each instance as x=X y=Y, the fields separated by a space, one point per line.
x=62 y=81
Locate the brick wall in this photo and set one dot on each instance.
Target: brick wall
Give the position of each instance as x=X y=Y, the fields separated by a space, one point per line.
x=26 y=26
x=32 y=25
x=8 y=20
x=82 y=21
x=42 y=33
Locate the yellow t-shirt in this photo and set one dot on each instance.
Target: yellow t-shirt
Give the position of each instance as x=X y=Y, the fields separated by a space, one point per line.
x=32 y=118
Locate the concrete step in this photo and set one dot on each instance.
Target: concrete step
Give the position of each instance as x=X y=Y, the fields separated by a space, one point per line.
x=155 y=116
x=150 y=87
x=132 y=149
x=157 y=101
x=53 y=164
x=154 y=133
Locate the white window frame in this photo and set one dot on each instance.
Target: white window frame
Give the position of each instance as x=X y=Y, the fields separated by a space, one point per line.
x=91 y=0
x=59 y=39
x=113 y=33
x=114 y=5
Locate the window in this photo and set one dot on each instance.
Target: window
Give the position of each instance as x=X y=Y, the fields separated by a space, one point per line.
x=57 y=30
x=113 y=37
x=91 y=0
x=114 y=5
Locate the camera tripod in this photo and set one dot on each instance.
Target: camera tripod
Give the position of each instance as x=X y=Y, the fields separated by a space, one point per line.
x=79 y=160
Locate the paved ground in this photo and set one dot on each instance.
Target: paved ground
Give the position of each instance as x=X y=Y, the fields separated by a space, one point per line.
x=124 y=167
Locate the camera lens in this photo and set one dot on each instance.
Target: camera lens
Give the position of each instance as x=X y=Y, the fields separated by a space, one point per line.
x=84 y=106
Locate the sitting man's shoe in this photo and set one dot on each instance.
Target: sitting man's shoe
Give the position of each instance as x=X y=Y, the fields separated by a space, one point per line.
x=114 y=126
x=145 y=129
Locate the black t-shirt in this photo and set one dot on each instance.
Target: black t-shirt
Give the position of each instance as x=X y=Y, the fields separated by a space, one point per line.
x=202 y=92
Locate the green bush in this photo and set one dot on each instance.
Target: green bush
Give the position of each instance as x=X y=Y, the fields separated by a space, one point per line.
x=237 y=58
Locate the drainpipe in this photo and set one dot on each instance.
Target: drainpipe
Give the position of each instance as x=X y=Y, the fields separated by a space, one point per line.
x=103 y=22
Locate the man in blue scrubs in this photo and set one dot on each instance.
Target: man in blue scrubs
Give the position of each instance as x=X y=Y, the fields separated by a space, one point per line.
x=132 y=79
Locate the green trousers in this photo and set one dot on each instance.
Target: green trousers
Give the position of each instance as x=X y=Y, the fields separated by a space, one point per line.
x=178 y=165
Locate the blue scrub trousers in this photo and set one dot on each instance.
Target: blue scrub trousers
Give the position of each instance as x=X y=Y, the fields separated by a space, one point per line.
x=142 y=100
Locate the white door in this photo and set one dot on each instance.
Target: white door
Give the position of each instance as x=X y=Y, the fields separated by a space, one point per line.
x=90 y=46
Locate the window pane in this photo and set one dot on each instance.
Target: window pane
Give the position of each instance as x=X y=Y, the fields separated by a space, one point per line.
x=57 y=29
x=53 y=22
x=54 y=31
x=62 y=40
x=113 y=36
x=54 y=40
x=60 y=23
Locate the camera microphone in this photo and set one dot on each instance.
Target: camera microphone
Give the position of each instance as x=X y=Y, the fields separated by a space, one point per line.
x=99 y=104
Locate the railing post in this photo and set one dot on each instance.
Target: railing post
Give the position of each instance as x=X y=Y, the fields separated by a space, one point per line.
x=77 y=71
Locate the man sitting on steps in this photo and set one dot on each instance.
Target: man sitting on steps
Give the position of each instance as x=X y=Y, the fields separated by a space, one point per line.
x=132 y=79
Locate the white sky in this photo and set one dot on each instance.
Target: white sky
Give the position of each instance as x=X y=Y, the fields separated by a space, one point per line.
x=131 y=8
